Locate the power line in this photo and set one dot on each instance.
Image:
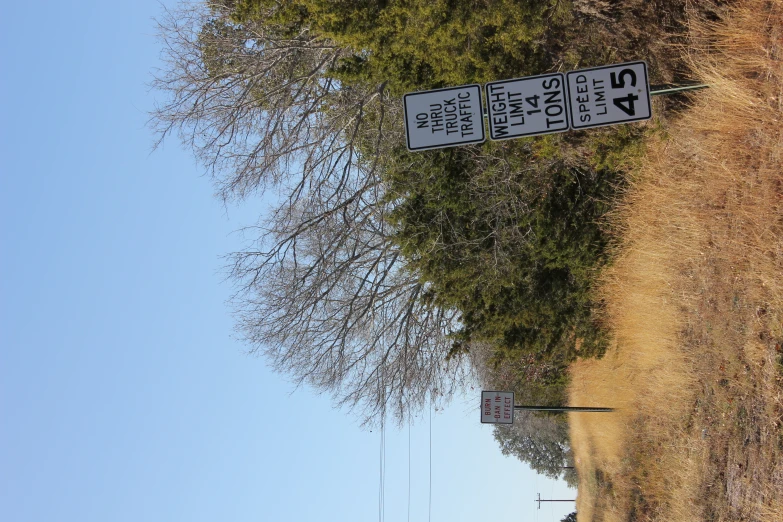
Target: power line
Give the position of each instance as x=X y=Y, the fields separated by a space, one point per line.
x=380 y=476
x=409 y=467
x=382 y=455
x=429 y=512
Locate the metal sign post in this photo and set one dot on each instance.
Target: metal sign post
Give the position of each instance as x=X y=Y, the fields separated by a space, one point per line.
x=562 y=409
x=497 y=407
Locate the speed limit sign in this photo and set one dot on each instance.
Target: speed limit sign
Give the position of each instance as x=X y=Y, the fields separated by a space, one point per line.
x=608 y=95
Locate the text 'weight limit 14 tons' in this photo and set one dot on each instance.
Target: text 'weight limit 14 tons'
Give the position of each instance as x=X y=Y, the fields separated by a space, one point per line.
x=527 y=106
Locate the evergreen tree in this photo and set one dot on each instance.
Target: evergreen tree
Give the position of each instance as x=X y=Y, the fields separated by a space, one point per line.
x=540 y=440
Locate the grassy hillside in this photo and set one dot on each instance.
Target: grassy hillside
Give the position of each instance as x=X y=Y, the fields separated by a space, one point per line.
x=694 y=302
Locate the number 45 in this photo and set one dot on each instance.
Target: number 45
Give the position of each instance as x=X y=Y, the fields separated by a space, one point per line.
x=626 y=103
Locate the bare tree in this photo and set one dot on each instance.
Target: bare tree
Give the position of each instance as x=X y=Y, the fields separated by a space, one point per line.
x=322 y=289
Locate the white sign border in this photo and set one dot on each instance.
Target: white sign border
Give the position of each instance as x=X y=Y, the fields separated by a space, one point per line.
x=433 y=147
x=608 y=124
x=566 y=103
x=513 y=403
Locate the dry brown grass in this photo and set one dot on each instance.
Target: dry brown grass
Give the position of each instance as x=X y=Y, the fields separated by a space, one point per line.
x=695 y=301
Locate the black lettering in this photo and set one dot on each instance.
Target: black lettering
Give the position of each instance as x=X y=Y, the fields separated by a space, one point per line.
x=552 y=97
x=436 y=117
x=628 y=107
x=517 y=110
x=619 y=84
x=556 y=110
x=550 y=122
x=551 y=81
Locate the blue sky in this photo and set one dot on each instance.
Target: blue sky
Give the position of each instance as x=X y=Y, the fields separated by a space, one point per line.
x=123 y=396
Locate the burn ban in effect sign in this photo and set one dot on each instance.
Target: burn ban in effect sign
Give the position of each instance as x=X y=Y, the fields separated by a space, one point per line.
x=497 y=407
x=443 y=117
x=609 y=95
x=527 y=106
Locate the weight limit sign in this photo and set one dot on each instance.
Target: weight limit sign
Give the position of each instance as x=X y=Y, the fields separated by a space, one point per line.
x=527 y=106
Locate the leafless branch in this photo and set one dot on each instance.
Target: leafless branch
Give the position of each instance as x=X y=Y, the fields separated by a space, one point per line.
x=321 y=289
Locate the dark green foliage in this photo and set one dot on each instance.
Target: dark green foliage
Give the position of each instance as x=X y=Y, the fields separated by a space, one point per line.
x=571 y=517
x=518 y=263
x=416 y=45
x=533 y=381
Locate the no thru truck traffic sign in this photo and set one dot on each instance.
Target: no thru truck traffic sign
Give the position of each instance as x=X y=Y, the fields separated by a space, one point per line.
x=443 y=117
x=608 y=95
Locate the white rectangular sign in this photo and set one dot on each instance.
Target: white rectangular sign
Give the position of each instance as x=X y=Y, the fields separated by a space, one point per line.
x=608 y=95
x=444 y=117
x=497 y=407
x=527 y=106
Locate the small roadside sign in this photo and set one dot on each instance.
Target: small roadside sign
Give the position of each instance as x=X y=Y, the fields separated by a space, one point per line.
x=497 y=407
x=443 y=117
x=527 y=106
x=609 y=95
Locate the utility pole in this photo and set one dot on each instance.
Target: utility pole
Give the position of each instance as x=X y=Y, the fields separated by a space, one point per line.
x=540 y=500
